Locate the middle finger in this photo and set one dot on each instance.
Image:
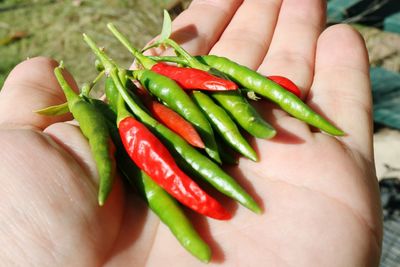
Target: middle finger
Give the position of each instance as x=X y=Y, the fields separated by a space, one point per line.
x=292 y=50
x=247 y=37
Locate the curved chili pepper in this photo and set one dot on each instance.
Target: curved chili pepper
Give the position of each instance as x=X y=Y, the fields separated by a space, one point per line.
x=159 y=201
x=190 y=78
x=223 y=123
x=150 y=155
x=169 y=212
x=256 y=82
x=171 y=119
x=175 y=98
x=176 y=123
x=94 y=127
x=286 y=83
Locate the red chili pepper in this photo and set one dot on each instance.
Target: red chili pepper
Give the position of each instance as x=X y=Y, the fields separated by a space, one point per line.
x=191 y=78
x=286 y=83
x=154 y=159
x=176 y=123
x=171 y=120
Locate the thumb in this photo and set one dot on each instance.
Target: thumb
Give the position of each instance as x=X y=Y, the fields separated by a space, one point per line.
x=31 y=86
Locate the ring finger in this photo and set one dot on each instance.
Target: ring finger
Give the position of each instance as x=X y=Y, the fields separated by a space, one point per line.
x=247 y=37
x=292 y=49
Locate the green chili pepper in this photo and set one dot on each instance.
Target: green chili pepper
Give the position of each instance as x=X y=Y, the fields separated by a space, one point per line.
x=94 y=127
x=244 y=114
x=110 y=115
x=261 y=85
x=205 y=167
x=223 y=123
x=175 y=98
x=170 y=213
x=111 y=94
x=228 y=155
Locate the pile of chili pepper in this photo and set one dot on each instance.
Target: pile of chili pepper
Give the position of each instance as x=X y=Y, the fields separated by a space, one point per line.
x=172 y=122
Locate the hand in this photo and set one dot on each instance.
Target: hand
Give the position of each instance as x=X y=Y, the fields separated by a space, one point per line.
x=319 y=193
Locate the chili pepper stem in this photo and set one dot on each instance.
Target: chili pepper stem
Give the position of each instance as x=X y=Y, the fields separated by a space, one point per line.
x=173 y=59
x=122 y=112
x=70 y=94
x=107 y=62
x=63 y=108
x=193 y=62
x=145 y=61
x=112 y=71
x=136 y=109
x=85 y=91
x=166 y=40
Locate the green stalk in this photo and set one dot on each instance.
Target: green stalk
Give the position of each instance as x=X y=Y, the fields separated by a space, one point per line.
x=145 y=61
x=86 y=88
x=71 y=95
x=191 y=61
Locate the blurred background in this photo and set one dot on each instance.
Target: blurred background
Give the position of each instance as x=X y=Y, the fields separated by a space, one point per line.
x=54 y=28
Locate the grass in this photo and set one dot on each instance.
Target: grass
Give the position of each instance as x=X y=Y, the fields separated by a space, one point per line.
x=54 y=29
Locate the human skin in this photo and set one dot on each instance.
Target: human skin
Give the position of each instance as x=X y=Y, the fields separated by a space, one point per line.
x=319 y=193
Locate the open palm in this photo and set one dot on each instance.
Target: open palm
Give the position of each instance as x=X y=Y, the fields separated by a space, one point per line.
x=319 y=193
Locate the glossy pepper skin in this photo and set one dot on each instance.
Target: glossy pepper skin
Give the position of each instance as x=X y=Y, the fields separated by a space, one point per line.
x=190 y=78
x=244 y=114
x=159 y=201
x=176 y=123
x=150 y=155
x=188 y=155
x=286 y=83
x=94 y=127
x=224 y=125
x=187 y=78
x=256 y=82
x=201 y=164
x=171 y=119
x=169 y=92
x=169 y=212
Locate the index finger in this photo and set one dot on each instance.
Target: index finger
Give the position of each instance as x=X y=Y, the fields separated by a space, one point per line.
x=200 y=26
